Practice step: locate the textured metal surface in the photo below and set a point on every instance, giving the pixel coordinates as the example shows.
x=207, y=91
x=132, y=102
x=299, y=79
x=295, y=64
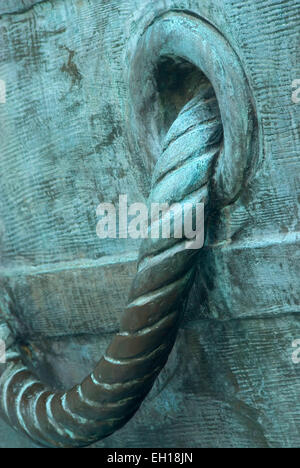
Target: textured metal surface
x=17, y=6
x=122, y=379
x=231, y=380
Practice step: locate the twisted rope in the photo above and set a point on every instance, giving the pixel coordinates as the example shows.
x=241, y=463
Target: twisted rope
x=110, y=396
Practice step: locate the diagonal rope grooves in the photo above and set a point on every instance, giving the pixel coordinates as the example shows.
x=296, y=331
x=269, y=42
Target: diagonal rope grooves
x=110, y=396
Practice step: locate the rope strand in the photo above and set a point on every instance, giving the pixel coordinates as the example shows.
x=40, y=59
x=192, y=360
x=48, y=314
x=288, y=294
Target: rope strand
x=110, y=396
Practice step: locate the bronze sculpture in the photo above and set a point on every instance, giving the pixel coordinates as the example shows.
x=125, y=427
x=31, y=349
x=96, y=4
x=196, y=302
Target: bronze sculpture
x=182, y=129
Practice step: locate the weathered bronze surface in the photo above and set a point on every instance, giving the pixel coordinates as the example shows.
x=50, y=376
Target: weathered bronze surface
x=103, y=98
